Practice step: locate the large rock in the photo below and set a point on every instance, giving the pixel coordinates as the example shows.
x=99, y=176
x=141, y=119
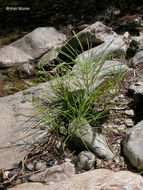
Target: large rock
x=16, y=133
x=84, y=135
x=105, y=50
x=133, y=146
x=109, y=67
x=96, y=34
x=55, y=173
x=94, y=180
x=31, y=47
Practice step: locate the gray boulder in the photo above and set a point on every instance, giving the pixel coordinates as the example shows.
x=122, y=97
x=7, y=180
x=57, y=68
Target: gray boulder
x=31, y=47
x=96, y=34
x=16, y=132
x=83, y=134
x=137, y=59
x=133, y=146
x=109, y=67
x=105, y=50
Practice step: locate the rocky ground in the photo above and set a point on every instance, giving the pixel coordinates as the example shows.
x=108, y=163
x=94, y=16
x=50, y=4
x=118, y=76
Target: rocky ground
x=48, y=165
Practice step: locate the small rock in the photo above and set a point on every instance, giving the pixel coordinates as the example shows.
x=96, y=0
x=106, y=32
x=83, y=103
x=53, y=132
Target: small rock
x=121, y=96
x=58, y=145
x=86, y=160
x=11, y=173
x=47, y=59
x=116, y=12
x=30, y=167
x=129, y=122
x=5, y=174
x=67, y=160
x=129, y=112
x=117, y=160
x=121, y=127
x=25, y=68
x=126, y=35
x=40, y=166
x=117, y=120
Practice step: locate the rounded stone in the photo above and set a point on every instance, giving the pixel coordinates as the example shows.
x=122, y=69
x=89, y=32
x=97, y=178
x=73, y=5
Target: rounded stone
x=40, y=166
x=86, y=160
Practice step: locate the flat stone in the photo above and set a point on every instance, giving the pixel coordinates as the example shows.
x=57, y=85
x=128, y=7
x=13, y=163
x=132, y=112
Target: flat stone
x=104, y=50
x=133, y=146
x=31, y=47
x=96, y=33
x=93, y=180
x=129, y=112
x=16, y=133
x=54, y=174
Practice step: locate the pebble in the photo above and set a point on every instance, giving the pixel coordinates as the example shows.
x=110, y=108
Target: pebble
x=116, y=12
x=11, y=173
x=129, y=112
x=5, y=174
x=129, y=122
x=67, y=160
x=121, y=127
x=40, y=166
x=86, y=160
x=126, y=35
x=58, y=145
x=30, y=167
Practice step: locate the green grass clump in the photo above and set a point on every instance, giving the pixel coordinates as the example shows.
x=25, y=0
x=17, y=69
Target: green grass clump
x=80, y=93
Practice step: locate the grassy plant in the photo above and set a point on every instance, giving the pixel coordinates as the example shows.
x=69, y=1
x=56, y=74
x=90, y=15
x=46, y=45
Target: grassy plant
x=81, y=93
